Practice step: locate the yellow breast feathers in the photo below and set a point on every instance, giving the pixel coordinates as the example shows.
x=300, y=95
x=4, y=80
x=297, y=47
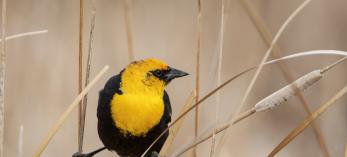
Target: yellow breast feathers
x=136, y=114
x=141, y=105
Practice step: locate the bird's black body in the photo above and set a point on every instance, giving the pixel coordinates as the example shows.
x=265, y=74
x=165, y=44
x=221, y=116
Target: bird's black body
x=114, y=139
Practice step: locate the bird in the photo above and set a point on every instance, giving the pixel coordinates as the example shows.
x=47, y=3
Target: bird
x=134, y=109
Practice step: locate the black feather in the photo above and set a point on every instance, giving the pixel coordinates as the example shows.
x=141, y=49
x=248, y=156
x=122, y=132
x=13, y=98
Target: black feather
x=111, y=136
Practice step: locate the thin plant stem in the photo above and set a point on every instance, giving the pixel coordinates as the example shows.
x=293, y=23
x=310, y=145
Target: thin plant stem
x=195, y=105
x=80, y=66
x=57, y=125
x=127, y=5
x=260, y=67
x=2, y=78
x=20, y=141
x=305, y=123
x=276, y=53
x=197, y=77
x=267, y=38
x=302, y=54
x=272, y=100
x=175, y=129
x=25, y=34
x=87, y=77
x=219, y=74
x=218, y=130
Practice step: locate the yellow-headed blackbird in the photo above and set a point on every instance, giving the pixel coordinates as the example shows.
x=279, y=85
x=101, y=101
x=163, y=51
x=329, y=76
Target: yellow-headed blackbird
x=134, y=108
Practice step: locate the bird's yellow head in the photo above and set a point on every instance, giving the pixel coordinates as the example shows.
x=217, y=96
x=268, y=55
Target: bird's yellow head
x=148, y=76
x=141, y=106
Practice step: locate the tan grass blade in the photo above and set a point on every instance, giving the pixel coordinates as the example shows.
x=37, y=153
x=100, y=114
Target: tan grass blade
x=20, y=141
x=2, y=78
x=87, y=77
x=303, y=125
x=66, y=113
x=195, y=105
x=127, y=5
x=267, y=38
x=346, y=149
x=302, y=54
x=175, y=129
x=219, y=73
x=197, y=77
x=274, y=99
x=255, y=76
x=287, y=92
x=25, y=34
x=80, y=66
x=219, y=129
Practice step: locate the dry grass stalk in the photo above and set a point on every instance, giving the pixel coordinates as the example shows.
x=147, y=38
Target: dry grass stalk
x=302, y=54
x=3, y=38
x=87, y=77
x=20, y=141
x=301, y=128
x=285, y=93
x=25, y=34
x=219, y=73
x=217, y=131
x=66, y=113
x=346, y=149
x=294, y=133
x=276, y=53
x=197, y=104
x=273, y=100
x=127, y=4
x=175, y=129
x=2, y=78
x=301, y=84
x=80, y=65
x=197, y=77
x=255, y=76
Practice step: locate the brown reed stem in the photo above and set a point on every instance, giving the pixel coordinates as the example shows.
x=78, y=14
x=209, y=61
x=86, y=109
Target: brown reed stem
x=57, y=125
x=219, y=74
x=87, y=77
x=80, y=65
x=276, y=53
x=239, y=118
x=20, y=141
x=127, y=5
x=215, y=90
x=24, y=34
x=197, y=77
x=269, y=50
x=197, y=104
x=176, y=128
x=2, y=78
x=307, y=121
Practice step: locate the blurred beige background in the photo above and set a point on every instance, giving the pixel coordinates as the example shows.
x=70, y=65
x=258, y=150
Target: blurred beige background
x=41, y=74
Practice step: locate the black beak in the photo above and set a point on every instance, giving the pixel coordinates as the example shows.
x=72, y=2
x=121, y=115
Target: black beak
x=174, y=73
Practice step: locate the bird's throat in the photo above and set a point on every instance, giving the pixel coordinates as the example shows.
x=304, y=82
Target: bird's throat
x=136, y=114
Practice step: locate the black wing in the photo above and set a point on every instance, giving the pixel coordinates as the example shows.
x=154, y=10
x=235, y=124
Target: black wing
x=112, y=87
x=167, y=109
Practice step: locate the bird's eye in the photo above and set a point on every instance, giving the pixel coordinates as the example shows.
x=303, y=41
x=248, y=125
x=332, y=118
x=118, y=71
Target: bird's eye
x=158, y=73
